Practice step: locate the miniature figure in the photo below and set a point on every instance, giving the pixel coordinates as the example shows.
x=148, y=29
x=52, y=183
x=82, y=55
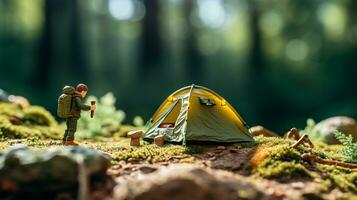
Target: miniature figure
x=19, y=100
x=70, y=105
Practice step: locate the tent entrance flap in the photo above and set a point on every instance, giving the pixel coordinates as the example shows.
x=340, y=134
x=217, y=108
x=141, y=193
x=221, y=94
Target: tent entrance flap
x=171, y=117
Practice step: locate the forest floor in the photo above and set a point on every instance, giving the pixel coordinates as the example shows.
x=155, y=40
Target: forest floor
x=270, y=165
x=269, y=168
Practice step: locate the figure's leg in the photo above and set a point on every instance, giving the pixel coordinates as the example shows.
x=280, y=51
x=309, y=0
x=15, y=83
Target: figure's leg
x=71, y=127
x=66, y=131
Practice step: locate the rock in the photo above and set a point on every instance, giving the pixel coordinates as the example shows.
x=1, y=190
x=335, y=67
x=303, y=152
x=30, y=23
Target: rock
x=231, y=161
x=326, y=128
x=184, y=181
x=159, y=140
x=227, y=161
x=147, y=169
x=298, y=185
x=260, y=130
x=27, y=170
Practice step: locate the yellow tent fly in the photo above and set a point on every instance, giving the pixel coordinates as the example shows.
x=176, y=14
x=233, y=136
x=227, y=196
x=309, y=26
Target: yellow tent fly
x=196, y=113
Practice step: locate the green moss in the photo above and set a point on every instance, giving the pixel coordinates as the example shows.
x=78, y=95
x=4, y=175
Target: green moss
x=344, y=178
x=144, y=152
x=274, y=158
x=285, y=169
x=36, y=115
x=8, y=110
x=34, y=122
x=272, y=141
x=31, y=141
x=119, y=150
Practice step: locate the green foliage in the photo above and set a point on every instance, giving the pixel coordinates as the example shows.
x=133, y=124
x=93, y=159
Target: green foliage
x=138, y=121
x=106, y=118
x=350, y=148
x=311, y=131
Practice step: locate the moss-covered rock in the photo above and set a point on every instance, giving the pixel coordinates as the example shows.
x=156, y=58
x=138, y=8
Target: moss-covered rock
x=34, y=121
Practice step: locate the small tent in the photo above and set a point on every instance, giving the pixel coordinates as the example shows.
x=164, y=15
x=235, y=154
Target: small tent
x=196, y=113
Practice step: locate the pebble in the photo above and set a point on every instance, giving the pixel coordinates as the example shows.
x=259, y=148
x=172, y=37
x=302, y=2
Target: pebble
x=221, y=148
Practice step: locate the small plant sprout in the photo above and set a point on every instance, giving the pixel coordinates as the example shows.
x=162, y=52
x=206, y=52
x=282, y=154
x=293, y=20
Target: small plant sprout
x=106, y=121
x=350, y=148
x=138, y=121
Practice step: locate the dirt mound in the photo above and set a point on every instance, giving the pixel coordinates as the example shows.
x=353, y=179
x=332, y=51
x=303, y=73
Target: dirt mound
x=186, y=181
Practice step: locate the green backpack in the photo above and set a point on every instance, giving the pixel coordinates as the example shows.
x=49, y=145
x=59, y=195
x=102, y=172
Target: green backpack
x=64, y=106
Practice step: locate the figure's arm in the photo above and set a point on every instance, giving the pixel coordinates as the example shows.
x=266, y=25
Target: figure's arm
x=81, y=105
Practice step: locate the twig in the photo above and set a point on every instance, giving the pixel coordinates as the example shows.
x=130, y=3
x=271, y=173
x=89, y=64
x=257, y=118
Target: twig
x=293, y=133
x=302, y=140
x=308, y=156
x=313, y=158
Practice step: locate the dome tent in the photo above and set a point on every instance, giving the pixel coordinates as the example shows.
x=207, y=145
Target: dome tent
x=196, y=113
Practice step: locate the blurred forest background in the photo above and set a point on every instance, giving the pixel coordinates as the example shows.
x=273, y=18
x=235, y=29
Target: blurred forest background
x=277, y=62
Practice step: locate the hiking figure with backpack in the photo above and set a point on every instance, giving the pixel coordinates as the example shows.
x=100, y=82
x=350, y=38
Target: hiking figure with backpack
x=70, y=105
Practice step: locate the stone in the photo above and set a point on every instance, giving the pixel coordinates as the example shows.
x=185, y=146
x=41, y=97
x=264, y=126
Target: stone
x=58, y=169
x=260, y=130
x=231, y=161
x=326, y=128
x=221, y=148
x=159, y=140
x=186, y=181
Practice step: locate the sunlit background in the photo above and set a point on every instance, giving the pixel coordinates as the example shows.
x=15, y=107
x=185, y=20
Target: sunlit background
x=277, y=62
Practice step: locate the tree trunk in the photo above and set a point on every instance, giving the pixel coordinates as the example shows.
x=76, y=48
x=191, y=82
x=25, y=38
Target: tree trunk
x=151, y=50
x=256, y=82
x=60, y=58
x=194, y=69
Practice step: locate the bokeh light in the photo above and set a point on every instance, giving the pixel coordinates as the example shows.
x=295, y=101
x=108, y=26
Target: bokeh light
x=271, y=23
x=211, y=12
x=297, y=50
x=333, y=18
x=126, y=9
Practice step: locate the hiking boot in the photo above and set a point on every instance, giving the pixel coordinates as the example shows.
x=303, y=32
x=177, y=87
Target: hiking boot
x=70, y=142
